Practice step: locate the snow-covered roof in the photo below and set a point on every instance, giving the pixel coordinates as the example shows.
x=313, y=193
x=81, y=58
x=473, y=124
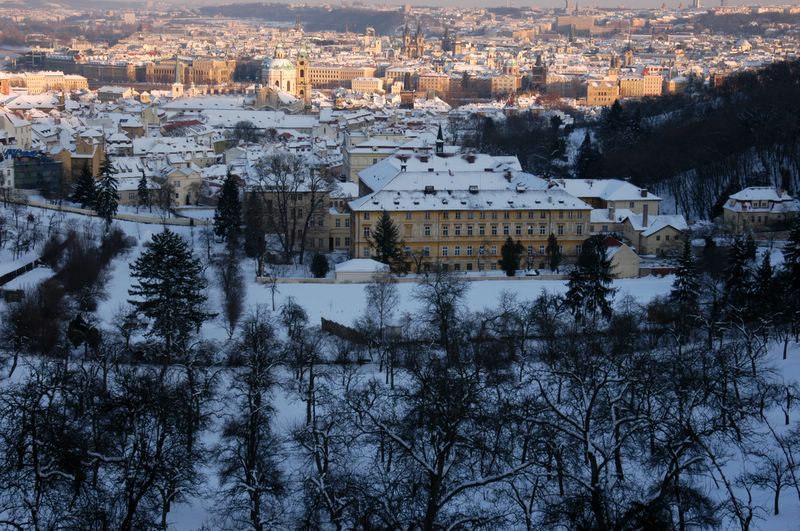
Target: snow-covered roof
x=657, y=223
x=408, y=170
x=361, y=265
x=498, y=199
x=761, y=193
x=606, y=189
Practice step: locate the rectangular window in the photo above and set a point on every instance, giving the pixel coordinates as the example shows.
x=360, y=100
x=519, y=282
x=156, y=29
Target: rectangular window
x=542, y=230
x=347, y=242
x=543, y=215
x=426, y=251
x=458, y=230
x=408, y=215
x=579, y=229
x=366, y=252
x=445, y=215
x=444, y=250
x=481, y=250
x=427, y=215
x=482, y=215
x=518, y=230
x=407, y=251
x=366, y=215
x=506, y=215
x=366, y=231
x=469, y=266
x=337, y=242
x=469, y=230
x=347, y=222
x=494, y=250
x=561, y=230
x=481, y=230
x=494, y=215
x=445, y=230
x=506, y=230
x=338, y=223
x=541, y=249
x=530, y=230
x=427, y=230
x=560, y=214
x=578, y=250
x=458, y=214
x=530, y=214
x=494, y=230
x=470, y=214
x=630, y=205
x=469, y=250
x=457, y=250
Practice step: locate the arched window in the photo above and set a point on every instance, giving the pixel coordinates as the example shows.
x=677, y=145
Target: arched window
x=302, y=73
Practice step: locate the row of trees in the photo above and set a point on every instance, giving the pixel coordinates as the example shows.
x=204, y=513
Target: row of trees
x=100, y=194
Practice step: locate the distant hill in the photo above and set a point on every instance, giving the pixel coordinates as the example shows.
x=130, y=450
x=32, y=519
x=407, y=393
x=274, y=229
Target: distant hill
x=314, y=18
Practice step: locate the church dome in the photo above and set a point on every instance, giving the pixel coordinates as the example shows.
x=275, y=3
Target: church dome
x=277, y=63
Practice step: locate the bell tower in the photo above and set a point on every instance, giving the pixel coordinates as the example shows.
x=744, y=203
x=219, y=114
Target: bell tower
x=303, y=83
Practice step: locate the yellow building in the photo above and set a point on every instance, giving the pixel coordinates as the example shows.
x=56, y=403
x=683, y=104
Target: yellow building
x=458, y=210
x=759, y=208
x=332, y=76
x=602, y=93
x=367, y=85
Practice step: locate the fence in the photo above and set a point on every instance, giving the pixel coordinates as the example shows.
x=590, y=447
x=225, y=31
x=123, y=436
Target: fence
x=136, y=218
x=11, y=275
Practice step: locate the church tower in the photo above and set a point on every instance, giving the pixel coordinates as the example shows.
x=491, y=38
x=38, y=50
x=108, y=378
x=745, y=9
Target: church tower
x=419, y=42
x=303, y=83
x=177, y=86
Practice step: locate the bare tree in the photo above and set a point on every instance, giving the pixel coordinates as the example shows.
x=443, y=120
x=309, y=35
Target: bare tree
x=250, y=478
x=232, y=289
x=294, y=196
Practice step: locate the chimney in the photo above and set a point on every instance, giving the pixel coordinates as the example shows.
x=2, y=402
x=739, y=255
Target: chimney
x=643, y=192
x=645, y=216
x=612, y=211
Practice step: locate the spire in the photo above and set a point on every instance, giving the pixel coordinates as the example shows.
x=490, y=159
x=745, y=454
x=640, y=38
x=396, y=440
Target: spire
x=177, y=70
x=439, y=141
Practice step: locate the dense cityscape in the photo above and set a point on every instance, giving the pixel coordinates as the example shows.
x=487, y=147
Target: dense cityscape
x=316, y=266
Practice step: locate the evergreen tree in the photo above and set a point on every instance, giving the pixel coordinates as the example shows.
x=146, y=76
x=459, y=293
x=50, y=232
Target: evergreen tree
x=737, y=276
x=169, y=289
x=319, y=266
x=143, y=191
x=386, y=244
x=589, y=288
x=510, y=252
x=85, y=190
x=750, y=247
x=586, y=157
x=686, y=287
x=553, y=252
x=107, y=197
x=227, y=216
x=791, y=256
x=255, y=244
x=764, y=287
